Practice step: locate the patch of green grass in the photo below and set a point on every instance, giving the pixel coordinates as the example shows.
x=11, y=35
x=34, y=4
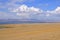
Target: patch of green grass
x=1, y=27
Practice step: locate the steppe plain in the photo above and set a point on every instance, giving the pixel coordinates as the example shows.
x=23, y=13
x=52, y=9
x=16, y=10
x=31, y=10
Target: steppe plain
x=37, y=31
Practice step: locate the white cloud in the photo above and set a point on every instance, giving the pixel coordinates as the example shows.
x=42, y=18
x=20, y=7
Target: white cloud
x=55, y=11
x=26, y=11
x=24, y=8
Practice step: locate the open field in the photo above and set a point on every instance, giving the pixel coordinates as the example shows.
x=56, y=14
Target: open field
x=48, y=31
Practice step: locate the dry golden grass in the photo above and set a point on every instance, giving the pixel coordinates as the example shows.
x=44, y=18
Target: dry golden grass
x=48, y=31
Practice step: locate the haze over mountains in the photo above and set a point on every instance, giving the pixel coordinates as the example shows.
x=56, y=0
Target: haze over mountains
x=20, y=21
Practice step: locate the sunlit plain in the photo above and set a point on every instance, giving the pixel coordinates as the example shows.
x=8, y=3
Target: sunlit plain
x=43, y=31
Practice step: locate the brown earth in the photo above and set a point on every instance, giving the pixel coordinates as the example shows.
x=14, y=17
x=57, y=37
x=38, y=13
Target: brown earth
x=48, y=31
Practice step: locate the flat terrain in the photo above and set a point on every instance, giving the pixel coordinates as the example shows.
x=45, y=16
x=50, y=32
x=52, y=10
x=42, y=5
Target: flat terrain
x=43, y=31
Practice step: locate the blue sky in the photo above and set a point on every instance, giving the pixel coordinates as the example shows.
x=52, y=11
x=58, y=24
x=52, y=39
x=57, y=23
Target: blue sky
x=43, y=4
x=38, y=9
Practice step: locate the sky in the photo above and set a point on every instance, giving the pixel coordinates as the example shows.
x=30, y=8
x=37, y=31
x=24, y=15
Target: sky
x=30, y=9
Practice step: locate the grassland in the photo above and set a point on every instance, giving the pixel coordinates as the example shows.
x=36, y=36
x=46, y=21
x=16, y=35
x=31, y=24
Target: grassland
x=48, y=31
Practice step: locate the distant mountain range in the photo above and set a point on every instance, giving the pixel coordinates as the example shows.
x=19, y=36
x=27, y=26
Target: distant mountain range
x=20, y=21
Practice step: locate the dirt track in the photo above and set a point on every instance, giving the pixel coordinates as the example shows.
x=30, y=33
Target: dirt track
x=31, y=32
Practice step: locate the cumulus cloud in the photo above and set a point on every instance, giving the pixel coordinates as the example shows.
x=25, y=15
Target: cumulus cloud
x=55, y=11
x=29, y=12
x=25, y=8
x=26, y=11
